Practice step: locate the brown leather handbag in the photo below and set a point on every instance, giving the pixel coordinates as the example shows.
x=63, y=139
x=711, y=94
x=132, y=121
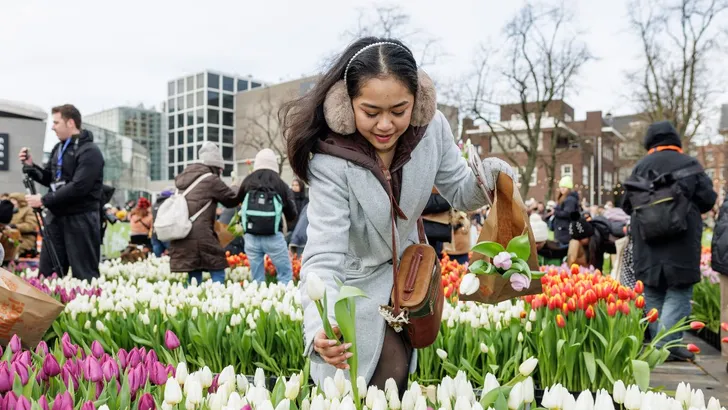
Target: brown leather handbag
x=417, y=293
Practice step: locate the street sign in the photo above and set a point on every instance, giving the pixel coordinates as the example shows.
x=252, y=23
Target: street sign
x=4, y=152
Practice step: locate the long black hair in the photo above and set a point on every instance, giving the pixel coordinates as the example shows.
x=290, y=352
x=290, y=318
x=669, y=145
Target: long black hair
x=303, y=118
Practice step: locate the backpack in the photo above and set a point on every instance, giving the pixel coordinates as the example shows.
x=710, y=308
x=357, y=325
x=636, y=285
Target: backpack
x=659, y=205
x=719, y=244
x=173, y=220
x=615, y=229
x=261, y=211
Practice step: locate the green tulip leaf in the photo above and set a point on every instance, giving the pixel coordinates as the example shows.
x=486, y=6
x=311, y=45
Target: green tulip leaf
x=591, y=366
x=345, y=311
x=478, y=267
x=488, y=248
x=521, y=246
x=641, y=372
x=606, y=371
x=501, y=402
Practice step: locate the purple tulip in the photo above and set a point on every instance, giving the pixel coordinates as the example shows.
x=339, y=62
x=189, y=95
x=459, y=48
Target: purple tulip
x=133, y=360
x=43, y=402
x=520, y=282
x=25, y=358
x=6, y=378
x=213, y=386
x=247, y=407
x=109, y=370
x=96, y=349
x=63, y=401
x=10, y=400
x=41, y=349
x=14, y=344
x=21, y=370
x=94, y=370
x=69, y=377
x=89, y=405
x=146, y=402
x=133, y=378
x=171, y=340
x=99, y=389
x=151, y=357
x=122, y=356
x=22, y=404
x=142, y=352
x=66, y=337
x=171, y=371
x=73, y=366
x=158, y=374
x=69, y=349
x=51, y=368
x=142, y=374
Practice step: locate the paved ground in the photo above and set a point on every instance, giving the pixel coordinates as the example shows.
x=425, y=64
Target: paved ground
x=707, y=373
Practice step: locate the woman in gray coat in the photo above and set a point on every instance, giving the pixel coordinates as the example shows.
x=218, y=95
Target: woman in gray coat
x=371, y=121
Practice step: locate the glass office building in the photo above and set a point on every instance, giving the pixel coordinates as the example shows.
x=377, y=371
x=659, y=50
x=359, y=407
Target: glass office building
x=199, y=108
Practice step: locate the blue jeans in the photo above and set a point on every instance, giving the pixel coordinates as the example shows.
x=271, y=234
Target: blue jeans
x=257, y=246
x=216, y=276
x=672, y=304
x=158, y=247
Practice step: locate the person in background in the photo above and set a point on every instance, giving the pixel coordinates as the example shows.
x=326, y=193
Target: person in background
x=75, y=175
x=549, y=252
x=594, y=235
x=436, y=220
x=24, y=220
x=568, y=203
x=6, y=215
x=669, y=268
x=159, y=247
x=458, y=248
x=264, y=235
x=141, y=222
x=5, y=196
x=299, y=237
x=719, y=263
x=300, y=198
x=201, y=251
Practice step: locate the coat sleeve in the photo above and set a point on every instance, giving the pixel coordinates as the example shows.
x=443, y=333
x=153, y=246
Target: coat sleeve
x=89, y=169
x=455, y=180
x=328, y=241
x=223, y=194
x=704, y=196
x=570, y=205
x=289, y=205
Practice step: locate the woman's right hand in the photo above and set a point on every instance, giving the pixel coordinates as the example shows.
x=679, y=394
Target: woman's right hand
x=331, y=351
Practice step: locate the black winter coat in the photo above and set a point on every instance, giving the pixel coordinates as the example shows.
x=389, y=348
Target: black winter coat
x=675, y=263
x=83, y=172
x=268, y=178
x=562, y=217
x=719, y=246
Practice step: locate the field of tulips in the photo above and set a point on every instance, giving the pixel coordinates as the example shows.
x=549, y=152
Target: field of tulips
x=67, y=376
x=241, y=260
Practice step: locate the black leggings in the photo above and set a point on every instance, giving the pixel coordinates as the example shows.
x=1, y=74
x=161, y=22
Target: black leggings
x=394, y=361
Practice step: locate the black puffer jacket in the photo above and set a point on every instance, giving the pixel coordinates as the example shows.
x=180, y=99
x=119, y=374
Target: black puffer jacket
x=562, y=217
x=674, y=263
x=268, y=178
x=719, y=247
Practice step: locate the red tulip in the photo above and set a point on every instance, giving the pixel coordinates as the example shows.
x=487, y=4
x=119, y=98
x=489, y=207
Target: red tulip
x=640, y=302
x=652, y=315
x=146, y=402
x=590, y=314
x=96, y=349
x=536, y=303
x=572, y=305
x=724, y=326
x=560, y=321
x=569, y=290
x=639, y=287
x=624, y=308
x=693, y=348
x=590, y=296
x=612, y=309
x=611, y=298
x=724, y=340
x=582, y=303
x=695, y=325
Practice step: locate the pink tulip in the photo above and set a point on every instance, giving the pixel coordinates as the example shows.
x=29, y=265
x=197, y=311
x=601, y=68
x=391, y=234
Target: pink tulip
x=42, y=348
x=95, y=374
x=22, y=404
x=22, y=371
x=89, y=405
x=43, y=402
x=122, y=356
x=133, y=378
x=133, y=360
x=25, y=358
x=213, y=386
x=247, y=407
x=10, y=400
x=503, y=260
x=96, y=349
x=14, y=344
x=142, y=352
x=110, y=370
x=66, y=337
x=151, y=357
x=142, y=374
x=170, y=340
x=69, y=377
x=6, y=378
x=158, y=374
x=146, y=402
x=63, y=401
x=73, y=366
x=69, y=349
x=171, y=370
x=520, y=282
x=51, y=368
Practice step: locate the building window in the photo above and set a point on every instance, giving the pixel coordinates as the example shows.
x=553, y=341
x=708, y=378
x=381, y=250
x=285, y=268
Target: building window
x=227, y=153
x=170, y=139
x=254, y=85
x=585, y=175
x=227, y=136
x=191, y=100
x=170, y=122
x=242, y=85
x=180, y=86
x=200, y=115
x=213, y=98
x=722, y=174
x=180, y=103
x=213, y=116
x=515, y=117
x=180, y=120
x=190, y=135
x=227, y=118
x=170, y=105
x=534, y=175
x=709, y=158
x=190, y=83
x=190, y=118
x=609, y=153
x=213, y=81
x=567, y=170
x=228, y=101
x=200, y=98
x=180, y=137
x=190, y=153
x=510, y=143
x=607, y=180
x=200, y=134
x=170, y=157
x=170, y=88
x=180, y=168
x=228, y=84
x=228, y=170
x=568, y=118
x=200, y=81
x=171, y=172
x=213, y=134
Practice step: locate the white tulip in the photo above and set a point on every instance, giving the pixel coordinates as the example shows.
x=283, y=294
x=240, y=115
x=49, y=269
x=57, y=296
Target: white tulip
x=370, y=396
x=713, y=404
x=567, y=400
x=421, y=403
x=293, y=387
x=305, y=404
x=441, y=354
x=193, y=391
x=619, y=392
x=334, y=404
x=259, y=380
x=682, y=394
x=469, y=284
x=491, y=383
x=172, y=392
x=340, y=382
x=181, y=373
x=697, y=399
x=529, y=327
x=215, y=401
x=483, y=348
x=527, y=367
x=100, y=326
x=284, y=404
x=361, y=385
x=394, y=403
x=330, y=389
x=227, y=374
x=528, y=390
x=347, y=403
x=462, y=404
x=408, y=401
x=264, y=405
x=520, y=337
x=532, y=315
x=315, y=287
x=585, y=401
x=235, y=401
x=205, y=377
x=603, y=401
x=104, y=407
x=194, y=312
x=551, y=399
x=633, y=398
x=431, y=393
x=515, y=397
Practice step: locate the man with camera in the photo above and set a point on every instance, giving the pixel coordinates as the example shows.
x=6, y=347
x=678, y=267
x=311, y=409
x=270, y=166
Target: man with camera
x=74, y=174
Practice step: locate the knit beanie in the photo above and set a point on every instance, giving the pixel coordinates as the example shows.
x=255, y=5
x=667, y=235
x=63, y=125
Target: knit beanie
x=566, y=182
x=580, y=228
x=210, y=155
x=539, y=228
x=266, y=159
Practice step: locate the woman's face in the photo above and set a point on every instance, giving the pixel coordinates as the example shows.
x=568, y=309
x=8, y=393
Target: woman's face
x=295, y=186
x=563, y=190
x=383, y=111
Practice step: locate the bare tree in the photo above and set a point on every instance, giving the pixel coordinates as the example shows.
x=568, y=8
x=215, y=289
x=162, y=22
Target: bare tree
x=260, y=127
x=542, y=58
x=678, y=39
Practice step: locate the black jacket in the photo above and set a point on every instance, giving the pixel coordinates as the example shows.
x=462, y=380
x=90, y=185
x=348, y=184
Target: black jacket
x=301, y=200
x=6, y=211
x=719, y=246
x=83, y=172
x=674, y=263
x=436, y=232
x=268, y=178
x=600, y=243
x=562, y=217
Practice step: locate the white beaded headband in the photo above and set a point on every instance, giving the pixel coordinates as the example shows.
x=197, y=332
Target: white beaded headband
x=363, y=49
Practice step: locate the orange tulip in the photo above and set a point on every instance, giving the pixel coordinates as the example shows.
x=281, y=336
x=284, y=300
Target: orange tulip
x=697, y=325
x=693, y=348
x=611, y=298
x=625, y=308
x=568, y=290
x=639, y=287
x=652, y=315
x=724, y=326
x=571, y=305
x=612, y=309
x=640, y=302
x=724, y=340
x=523, y=314
x=560, y=321
x=590, y=313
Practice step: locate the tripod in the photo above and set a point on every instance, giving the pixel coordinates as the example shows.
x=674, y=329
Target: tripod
x=47, y=241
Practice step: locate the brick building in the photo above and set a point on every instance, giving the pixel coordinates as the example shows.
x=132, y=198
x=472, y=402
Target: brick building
x=587, y=150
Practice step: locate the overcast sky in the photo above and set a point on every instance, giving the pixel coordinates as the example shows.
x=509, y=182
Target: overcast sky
x=101, y=54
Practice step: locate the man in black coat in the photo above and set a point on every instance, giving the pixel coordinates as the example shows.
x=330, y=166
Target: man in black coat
x=670, y=268
x=719, y=263
x=74, y=175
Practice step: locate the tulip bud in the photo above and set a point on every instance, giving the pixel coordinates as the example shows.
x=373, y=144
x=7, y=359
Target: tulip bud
x=146, y=402
x=441, y=354
x=170, y=340
x=483, y=348
x=22, y=404
x=96, y=349
x=515, y=397
x=14, y=344
x=22, y=371
x=693, y=348
x=469, y=284
x=63, y=401
x=206, y=377
x=89, y=405
x=315, y=287
x=42, y=348
x=6, y=378
x=527, y=367
x=181, y=373
x=619, y=392
x=172, y=392
x=51, y=368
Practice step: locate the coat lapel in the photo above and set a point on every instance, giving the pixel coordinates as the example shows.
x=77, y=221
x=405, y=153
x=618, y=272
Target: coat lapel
x=373, y=200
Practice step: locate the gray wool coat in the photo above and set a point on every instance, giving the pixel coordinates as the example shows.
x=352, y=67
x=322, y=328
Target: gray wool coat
x=349, y=233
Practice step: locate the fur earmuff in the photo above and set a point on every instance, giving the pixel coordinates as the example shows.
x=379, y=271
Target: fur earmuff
x=338, y=112
x=425, y=101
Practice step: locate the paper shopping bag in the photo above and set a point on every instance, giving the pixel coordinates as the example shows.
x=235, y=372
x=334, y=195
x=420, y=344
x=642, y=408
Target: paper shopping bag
x=24, y=310
x=223, y=235
x=507, y=219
